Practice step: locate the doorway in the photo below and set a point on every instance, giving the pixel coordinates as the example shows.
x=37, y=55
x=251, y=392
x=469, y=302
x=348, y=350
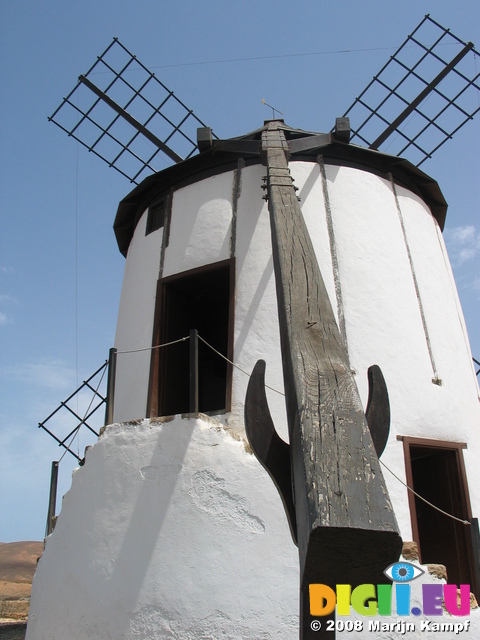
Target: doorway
x=200, y=299
x=436, y=471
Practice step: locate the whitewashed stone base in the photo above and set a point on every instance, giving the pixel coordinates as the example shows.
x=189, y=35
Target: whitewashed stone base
x=170, y=530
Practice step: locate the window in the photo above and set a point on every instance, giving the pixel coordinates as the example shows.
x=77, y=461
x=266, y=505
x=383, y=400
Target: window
x=201, y=299
x=156, y=216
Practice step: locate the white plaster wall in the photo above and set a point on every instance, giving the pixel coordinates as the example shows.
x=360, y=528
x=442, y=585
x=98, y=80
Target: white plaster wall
x=382, y=315
x=456, y=299
x=380, y=305
x=256, y=320
x=384, y=324
x=135, y=322
x=440, y=301
x=200, y=224
x=451, y=411
x=163, y=536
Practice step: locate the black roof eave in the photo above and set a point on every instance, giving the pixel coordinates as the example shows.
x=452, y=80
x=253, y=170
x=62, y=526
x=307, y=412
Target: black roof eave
x=220, y=158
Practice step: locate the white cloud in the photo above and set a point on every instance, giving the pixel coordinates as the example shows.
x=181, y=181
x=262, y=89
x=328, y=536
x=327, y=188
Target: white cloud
x=463, y=234
x=6, y=300
x=463, y=243
x=50, y=374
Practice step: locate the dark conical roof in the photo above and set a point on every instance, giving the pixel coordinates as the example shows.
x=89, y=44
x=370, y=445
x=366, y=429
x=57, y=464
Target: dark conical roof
x=219, y=156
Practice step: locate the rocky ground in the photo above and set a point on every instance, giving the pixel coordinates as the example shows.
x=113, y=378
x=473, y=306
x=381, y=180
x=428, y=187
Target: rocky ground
x=18, y=561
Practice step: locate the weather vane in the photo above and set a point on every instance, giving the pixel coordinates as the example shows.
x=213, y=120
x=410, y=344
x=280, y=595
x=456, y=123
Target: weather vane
x=272, y=108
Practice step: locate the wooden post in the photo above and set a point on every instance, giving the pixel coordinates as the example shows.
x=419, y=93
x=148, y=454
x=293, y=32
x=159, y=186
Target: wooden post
x=193, y=371
x=343, y=511
x=112, y=368
x=475, y=542
x=52, y=501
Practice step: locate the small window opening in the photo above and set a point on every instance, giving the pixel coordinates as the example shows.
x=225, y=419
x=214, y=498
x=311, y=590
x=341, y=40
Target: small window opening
x=156, y=216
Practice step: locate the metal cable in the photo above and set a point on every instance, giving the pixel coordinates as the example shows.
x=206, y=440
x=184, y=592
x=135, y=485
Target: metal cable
x=424, y=499
x=158, y=346
x=449, y=515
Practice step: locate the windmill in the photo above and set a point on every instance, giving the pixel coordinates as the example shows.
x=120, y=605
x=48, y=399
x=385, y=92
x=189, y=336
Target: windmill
x=186, y=235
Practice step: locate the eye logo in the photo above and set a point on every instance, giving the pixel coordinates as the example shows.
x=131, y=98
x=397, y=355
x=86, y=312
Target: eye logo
x=403, y=572
x=373, y=600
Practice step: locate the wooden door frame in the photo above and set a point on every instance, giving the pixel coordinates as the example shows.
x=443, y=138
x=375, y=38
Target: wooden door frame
x=153, y=386
x=473, y=539
x=456, y=447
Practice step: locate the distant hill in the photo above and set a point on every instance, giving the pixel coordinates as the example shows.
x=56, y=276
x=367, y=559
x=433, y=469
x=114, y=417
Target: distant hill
x=18, y=561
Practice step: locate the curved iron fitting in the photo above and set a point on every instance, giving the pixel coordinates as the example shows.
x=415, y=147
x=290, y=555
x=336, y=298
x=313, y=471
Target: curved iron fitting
x=271, y=451
x=378, y=409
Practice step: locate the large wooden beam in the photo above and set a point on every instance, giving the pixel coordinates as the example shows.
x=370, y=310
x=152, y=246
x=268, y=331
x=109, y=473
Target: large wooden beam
x=346, y=528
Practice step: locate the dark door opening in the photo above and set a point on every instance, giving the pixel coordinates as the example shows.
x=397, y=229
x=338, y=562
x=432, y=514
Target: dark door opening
x=199, y=300
x=437, y=473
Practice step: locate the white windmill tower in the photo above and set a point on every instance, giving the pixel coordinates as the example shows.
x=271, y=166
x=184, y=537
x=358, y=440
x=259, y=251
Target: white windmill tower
x=322, y=258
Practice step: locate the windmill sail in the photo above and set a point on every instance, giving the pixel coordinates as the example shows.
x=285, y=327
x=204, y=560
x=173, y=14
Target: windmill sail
x=122, y=113
x=424, y=94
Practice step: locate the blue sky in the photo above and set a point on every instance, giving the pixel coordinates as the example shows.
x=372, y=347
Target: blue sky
x=60, y=269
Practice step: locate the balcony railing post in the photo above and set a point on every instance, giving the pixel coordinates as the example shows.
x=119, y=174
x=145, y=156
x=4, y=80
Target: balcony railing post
x=475, y=540
x=52, y=501
x=193, y=371
x=112, y=367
